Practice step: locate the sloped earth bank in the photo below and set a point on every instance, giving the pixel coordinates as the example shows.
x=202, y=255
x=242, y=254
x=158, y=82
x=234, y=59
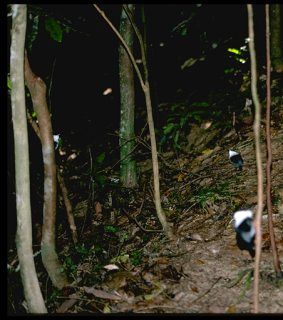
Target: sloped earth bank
x=201, y=270
x=120, y=268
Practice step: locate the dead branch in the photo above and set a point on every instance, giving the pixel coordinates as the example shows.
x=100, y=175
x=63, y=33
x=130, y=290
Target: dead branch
x=68, y=206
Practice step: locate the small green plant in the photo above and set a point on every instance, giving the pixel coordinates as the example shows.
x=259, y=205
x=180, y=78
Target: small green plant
x=247, y=285
x=69, y=266
x=124, y=236
x=98, y=177
x=177, y=122
x=32, y=29
x=111, y=229
x=136, y=257
x=53, y=27
x=82, y=250
x=97, y=248
x=276, y=200
x=212, y=194
x=97, y=267
x=238, y=54
x=53, y=296
x=145, y=237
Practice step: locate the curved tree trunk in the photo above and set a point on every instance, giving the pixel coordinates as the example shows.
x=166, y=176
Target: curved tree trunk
x=32, y=291
x=127, y=93
x=50, y=259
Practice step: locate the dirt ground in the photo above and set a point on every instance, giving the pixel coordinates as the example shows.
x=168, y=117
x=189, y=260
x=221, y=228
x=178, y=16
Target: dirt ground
x=124, y=269
x=201, y=270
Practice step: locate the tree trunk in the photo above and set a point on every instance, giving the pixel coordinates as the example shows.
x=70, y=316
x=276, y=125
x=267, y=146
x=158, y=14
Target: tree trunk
x=276, y=261
x=50, y=259
x=146, y=89
x=127, y=92
x=32, y=291
x=275, y=37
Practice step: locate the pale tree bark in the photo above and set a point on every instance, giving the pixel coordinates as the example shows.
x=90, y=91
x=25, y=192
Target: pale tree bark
x=50, y=259
x=31, y=286
x=256, y=127
x=127, y=114
x=276, y=37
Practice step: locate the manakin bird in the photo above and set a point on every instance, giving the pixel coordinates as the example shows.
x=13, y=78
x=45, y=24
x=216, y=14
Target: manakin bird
x=57, y=140
x=245, y=231
x=236, y=159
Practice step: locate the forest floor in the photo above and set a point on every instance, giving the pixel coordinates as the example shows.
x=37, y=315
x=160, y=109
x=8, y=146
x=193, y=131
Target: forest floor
x=120, y=268
x=201, y=270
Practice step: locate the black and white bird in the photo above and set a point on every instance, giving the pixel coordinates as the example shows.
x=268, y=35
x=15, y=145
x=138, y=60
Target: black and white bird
x=236, y=159
x=245, y=231
x=56, y=138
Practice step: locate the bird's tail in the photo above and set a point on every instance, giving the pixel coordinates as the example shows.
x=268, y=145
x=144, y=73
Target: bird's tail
x=252, y=252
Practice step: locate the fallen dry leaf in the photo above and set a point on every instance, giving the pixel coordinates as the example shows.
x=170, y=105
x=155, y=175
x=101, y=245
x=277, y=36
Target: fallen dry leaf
x=102, y=294
x=111, y=267
x=231, y=309
x=66, y=305
x=98, y=208
x=194, y=289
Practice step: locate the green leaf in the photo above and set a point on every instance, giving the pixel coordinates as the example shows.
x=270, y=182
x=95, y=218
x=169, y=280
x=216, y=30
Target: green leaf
x=54, y=28
x=136, y=257
x=189, y=63
x=234, y=50
x=241, y=60
x=168, y=128
x=9, y=83
x=100, y=179
x=200, y=104
x=32, y=35
x=230, y=70
x=100, y=158
x=111, y=229
x=82, y=249
x=176, y=138
x=183, y=120
x=184, y=31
